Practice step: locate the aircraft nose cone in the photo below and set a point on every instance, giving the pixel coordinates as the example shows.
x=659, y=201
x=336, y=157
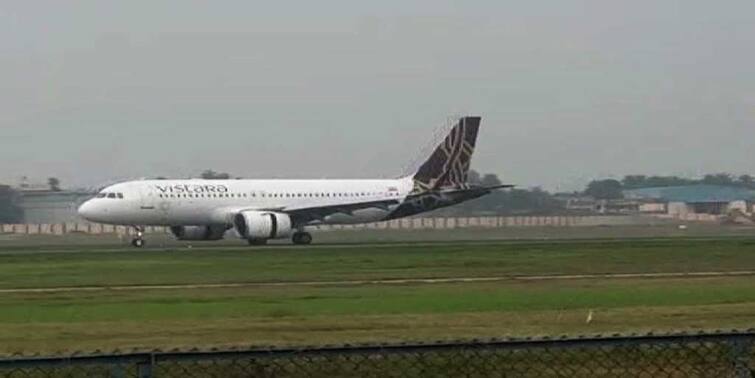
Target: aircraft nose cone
x=86, y=210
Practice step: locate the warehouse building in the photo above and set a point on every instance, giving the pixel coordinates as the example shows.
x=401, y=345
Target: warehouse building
x=696, y=199
x=47, y=206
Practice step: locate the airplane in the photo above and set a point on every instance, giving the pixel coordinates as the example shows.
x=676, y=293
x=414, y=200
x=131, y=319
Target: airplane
x=260, y=210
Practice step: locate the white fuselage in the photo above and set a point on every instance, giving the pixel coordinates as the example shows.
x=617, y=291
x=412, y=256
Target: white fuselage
x=212, y=202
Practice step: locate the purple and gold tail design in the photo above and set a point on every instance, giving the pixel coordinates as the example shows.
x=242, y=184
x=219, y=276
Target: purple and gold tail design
x=448, y=166
x=442, y=180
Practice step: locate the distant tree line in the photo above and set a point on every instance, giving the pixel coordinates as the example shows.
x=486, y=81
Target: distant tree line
x=209, y=174
x=726, y=179
x=613, y=189
x=515, y=201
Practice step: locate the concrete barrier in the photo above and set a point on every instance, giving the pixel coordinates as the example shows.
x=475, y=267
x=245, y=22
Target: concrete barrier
x=437, y=223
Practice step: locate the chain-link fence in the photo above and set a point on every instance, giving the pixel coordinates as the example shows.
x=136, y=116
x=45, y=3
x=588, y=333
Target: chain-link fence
x=719, y=355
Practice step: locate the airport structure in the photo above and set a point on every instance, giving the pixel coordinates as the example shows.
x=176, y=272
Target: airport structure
x=692, y=199
x=48, y=206
x=690, y=202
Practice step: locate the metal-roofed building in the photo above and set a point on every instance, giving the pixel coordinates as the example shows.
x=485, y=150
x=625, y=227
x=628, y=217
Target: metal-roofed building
x=45, y=206
x=700, y=199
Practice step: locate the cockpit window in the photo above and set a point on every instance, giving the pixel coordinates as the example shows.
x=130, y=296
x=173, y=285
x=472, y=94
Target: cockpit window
x=120, y=195
x=111, y=195
x=101, y=195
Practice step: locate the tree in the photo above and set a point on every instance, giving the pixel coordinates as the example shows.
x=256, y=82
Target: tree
x=661, y=181
x=209, y=174
x=473, y=177
x=634, y=181
x=604, y=189
x=490, y=179
x=718, y=179
x=54, y=184
x=746, y=180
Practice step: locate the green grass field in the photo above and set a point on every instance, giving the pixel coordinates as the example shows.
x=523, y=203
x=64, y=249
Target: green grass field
x=314, y=313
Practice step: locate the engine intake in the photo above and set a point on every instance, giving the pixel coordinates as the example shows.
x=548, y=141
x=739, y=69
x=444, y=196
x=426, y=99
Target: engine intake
x=198, y=232
x=262, y=225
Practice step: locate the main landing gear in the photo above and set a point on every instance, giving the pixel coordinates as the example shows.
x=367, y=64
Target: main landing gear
x=301, y=238
x=138, y=241
x=257, y=241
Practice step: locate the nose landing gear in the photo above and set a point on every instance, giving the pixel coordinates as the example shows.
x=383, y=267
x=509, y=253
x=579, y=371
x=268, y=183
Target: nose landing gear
x=138, y=241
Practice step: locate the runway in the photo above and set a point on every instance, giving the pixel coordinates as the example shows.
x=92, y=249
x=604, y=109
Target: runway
x=430, y=281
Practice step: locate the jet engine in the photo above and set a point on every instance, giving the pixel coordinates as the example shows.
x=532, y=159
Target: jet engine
x=262, y=225
x=198, y=232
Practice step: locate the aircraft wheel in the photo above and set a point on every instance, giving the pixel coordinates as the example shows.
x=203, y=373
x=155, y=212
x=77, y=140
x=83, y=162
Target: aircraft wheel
x=257, y=241
x=302, y=238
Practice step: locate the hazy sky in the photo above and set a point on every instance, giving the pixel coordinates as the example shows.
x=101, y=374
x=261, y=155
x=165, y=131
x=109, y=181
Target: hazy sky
x=94, y=91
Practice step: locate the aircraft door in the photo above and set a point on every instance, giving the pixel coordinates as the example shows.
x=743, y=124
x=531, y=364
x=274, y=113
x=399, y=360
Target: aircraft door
x=152, y=207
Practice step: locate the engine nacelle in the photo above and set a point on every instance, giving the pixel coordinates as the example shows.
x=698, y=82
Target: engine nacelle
x=198, y=232
x=262, y=225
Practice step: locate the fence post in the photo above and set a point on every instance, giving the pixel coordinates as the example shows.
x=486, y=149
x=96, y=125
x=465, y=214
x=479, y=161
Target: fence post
x=741, y=355
x=144, y=369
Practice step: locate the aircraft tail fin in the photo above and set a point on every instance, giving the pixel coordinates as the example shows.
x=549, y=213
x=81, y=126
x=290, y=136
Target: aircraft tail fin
x=449, y=164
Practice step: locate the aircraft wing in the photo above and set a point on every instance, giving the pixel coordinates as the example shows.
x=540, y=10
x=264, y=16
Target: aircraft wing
x=309, y=214
x=303, y=215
